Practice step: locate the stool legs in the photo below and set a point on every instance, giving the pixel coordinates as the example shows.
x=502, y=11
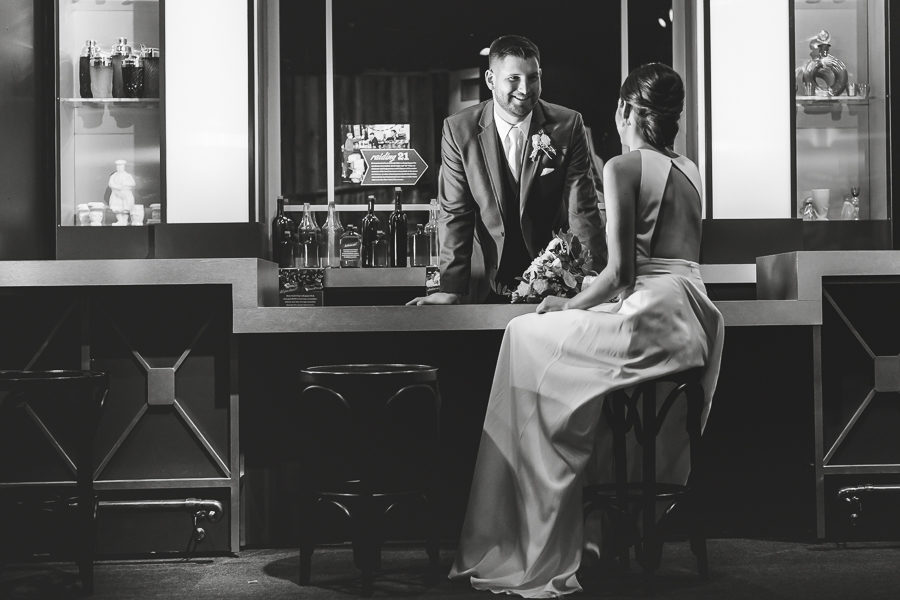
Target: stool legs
x=697, y=535
x=307, y=536
x=620, y=411
x=616, y=415
x=651, y=546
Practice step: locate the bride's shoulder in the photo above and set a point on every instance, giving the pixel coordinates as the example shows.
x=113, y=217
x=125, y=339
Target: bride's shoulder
x=626, y=165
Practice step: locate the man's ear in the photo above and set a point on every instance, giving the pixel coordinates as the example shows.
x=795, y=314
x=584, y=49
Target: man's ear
x=489, y=79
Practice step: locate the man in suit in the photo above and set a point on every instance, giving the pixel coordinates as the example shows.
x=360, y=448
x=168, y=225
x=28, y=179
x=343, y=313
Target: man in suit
x=514, y=170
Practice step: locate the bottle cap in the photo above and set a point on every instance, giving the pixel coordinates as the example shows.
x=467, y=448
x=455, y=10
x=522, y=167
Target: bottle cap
x=121, y=47
x=398, y=189
x=100, y=60
x=90, y=48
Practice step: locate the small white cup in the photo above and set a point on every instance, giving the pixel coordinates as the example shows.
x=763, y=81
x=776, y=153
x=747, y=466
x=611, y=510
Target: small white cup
x=137, y=214
x=97, y=212
x=121, y=218
x=84, y=214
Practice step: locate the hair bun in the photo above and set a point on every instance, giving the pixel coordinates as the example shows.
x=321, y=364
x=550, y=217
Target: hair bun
x=656, y=94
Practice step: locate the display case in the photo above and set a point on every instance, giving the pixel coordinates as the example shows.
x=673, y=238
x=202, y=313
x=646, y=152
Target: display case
x=842, y=161
x=109, y=113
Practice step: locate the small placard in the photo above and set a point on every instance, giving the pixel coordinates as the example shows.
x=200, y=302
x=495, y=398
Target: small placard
x=387, y=167
x=432, y=280
x=301, y=287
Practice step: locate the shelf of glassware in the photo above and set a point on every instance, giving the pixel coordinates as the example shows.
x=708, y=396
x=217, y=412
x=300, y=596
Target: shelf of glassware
x=94, y=134
x=839, y=148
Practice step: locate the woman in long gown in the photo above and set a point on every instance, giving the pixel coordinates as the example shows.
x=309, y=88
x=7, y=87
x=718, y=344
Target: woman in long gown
x=524, y=531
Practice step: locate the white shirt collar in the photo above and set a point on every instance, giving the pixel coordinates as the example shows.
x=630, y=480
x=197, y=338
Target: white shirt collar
x=503, y=127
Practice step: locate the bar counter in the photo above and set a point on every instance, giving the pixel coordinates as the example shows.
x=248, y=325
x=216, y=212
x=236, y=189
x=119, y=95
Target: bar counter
x=195, y=335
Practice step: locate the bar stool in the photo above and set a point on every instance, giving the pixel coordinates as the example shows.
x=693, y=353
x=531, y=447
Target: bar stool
x=369, y=441
x=624, y=499
x=87, y=391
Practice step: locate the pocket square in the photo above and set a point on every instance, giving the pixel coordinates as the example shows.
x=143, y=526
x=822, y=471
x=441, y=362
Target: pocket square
x=547, y=171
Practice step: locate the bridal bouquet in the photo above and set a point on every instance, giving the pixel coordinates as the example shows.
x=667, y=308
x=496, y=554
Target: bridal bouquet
x=559, y=270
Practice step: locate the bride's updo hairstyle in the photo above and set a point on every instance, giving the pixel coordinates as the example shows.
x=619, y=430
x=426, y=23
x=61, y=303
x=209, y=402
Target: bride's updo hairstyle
x=654, y=98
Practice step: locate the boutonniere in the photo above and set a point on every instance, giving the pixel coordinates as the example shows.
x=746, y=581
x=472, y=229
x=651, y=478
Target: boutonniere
x=540, y=142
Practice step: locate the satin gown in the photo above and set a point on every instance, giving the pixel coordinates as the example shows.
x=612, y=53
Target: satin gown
x=523, y=530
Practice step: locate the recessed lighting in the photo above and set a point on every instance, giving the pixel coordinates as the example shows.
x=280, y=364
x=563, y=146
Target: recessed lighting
x=662, y=22
x=484, y=51
x=671, y=15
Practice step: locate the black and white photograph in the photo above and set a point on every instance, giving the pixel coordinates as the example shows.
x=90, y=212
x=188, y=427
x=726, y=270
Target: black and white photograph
x=449, y=299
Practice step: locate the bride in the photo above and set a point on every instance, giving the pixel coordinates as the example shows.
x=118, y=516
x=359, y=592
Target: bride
x=524, y=532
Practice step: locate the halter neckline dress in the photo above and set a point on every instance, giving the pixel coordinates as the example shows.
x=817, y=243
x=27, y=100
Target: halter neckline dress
x=523, y=530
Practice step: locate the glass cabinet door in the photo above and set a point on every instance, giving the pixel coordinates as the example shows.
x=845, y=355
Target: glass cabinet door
x=109, y=113
x=842, y=168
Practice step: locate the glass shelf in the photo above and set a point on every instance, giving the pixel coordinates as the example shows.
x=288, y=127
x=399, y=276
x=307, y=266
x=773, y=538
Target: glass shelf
x=78, y=101
x=832, y=100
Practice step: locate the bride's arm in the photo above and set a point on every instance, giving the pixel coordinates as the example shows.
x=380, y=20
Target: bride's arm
x=621, y=176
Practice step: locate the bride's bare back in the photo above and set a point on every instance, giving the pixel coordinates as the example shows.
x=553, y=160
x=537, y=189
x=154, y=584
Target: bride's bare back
x=677, y=233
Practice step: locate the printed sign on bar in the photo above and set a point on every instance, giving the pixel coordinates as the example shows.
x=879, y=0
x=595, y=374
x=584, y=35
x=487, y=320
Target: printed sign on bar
x=392, y=167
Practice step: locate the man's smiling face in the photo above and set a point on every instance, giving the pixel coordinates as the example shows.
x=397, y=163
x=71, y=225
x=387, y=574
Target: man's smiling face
x=515, y=84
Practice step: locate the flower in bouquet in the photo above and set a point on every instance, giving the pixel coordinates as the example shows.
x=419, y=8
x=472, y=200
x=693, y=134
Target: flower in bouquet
x=558, y=270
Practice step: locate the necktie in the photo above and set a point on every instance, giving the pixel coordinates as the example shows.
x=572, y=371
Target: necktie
x=514, y=151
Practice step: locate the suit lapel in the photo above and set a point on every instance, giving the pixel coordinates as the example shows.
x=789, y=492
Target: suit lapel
x=529, y=169
x=490, y=151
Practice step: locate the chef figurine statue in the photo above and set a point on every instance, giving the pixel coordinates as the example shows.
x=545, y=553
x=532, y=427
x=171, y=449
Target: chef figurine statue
x=121, y=186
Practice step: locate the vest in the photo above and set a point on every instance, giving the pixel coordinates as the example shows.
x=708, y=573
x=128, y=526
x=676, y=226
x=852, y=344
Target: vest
x=515, y=257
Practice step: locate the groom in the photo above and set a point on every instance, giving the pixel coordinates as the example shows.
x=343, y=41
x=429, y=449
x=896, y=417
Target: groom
x=514, y=170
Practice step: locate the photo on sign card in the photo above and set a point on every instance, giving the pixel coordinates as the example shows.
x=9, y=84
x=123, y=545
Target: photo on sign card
x=356, y=137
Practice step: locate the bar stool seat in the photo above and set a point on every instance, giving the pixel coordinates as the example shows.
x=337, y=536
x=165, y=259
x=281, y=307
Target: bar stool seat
x=86, y=390
x=625, y=500
x=369, y=437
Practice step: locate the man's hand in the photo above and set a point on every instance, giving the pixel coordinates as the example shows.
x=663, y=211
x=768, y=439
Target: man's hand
x=551, y=304
x=435, y=298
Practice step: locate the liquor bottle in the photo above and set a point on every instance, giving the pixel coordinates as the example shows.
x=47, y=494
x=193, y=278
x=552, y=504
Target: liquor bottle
x=854, y=192
x=120, y=51
x=370, y=225
x=150, y=58
x=350, y=248
x=397, y=232
x=84, y=68
x=101, y=76
x=381, y=250
x=133, y=77
x=330, y=239
x=306, y=250
x=417, y=250
x=434, y=238
x=282, y=236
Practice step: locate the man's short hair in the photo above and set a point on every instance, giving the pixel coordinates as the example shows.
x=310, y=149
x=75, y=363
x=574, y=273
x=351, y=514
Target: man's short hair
x=513, y=45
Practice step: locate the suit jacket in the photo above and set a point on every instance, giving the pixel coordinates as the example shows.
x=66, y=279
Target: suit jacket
x=554, y=193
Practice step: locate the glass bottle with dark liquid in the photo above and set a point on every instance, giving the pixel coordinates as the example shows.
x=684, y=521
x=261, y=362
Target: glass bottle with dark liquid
x=133, y=77
x=370, y=226
x=397, y=232
x=120, y=51
x=150, y=60
x=282, y=237
x=84, y=68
